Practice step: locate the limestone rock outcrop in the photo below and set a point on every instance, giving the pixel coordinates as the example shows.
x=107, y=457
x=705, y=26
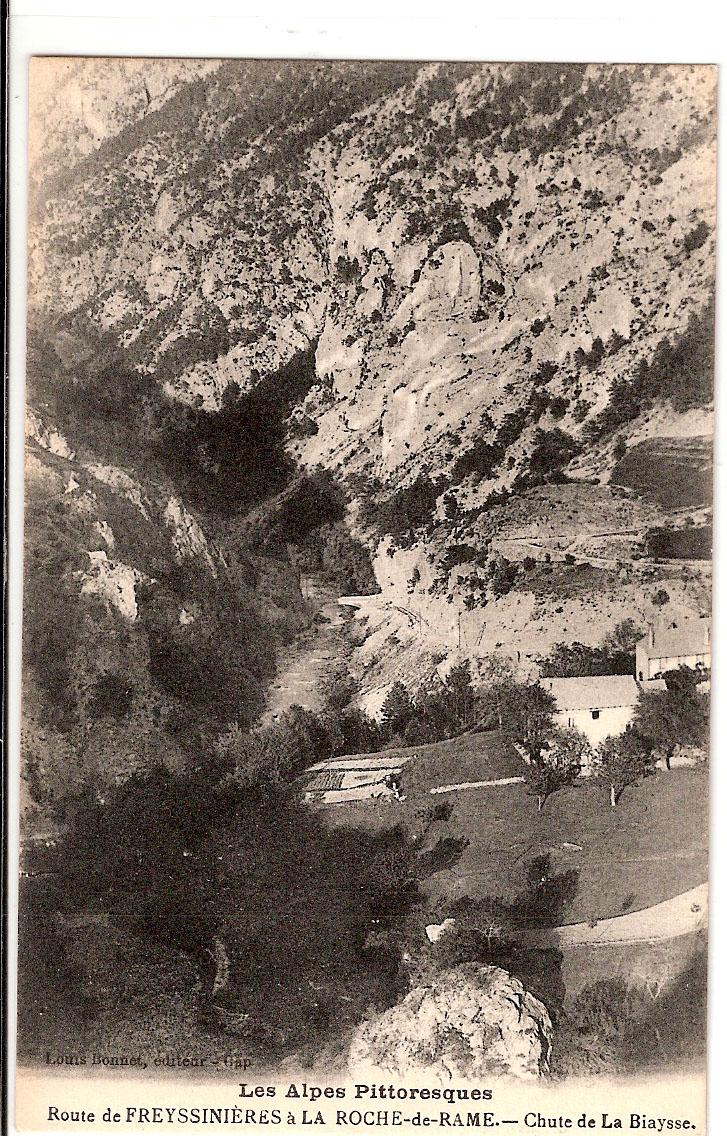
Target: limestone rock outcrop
x=472, y=1021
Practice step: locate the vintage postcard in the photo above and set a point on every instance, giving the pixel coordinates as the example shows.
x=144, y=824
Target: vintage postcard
x=367, y=593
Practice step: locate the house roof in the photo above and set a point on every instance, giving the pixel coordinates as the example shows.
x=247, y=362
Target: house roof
x=689, y=638
x=653, y=684
x=595, y=692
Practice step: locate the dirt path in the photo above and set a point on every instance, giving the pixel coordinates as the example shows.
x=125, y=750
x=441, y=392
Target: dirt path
x=681, y=915
x=313, y=657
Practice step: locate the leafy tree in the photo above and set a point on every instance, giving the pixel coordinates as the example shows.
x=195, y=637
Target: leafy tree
x=677, y=716
x=620, y=644
x=623, y=760
x=696, y=237
x=359, y=733
x=497, y=674
x=553, y=450
x=503, y=574
x=558, y=765
x=460, y=695
x=339, y=690
x=482, y=457
x=54, y=541
x=405, y=510
x=419, y=731
x=527, y=717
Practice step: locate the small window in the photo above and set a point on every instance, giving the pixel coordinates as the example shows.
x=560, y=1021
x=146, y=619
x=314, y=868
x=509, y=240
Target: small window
x=595, y=714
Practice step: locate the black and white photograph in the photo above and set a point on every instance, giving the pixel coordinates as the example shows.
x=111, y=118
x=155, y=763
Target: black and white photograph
x=367, y=578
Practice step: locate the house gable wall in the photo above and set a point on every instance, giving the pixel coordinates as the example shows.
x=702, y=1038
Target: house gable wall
x=609, y=721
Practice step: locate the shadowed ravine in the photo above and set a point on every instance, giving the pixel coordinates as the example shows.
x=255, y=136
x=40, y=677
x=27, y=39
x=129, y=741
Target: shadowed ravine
x=313, y=657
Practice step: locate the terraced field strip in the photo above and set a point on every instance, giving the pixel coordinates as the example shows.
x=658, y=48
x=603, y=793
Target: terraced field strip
x=477, y=784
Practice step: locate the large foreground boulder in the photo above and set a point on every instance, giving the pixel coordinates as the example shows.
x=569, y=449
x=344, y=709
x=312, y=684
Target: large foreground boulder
x=471, y=1022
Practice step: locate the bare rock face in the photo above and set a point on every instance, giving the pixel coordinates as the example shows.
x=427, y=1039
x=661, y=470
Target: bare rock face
x=473, y=1021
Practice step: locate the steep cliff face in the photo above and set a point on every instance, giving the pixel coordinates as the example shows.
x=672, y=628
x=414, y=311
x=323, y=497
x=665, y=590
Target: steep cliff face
x=481, y=261
x=445, y=239
x=197, y=236
x=502, y=273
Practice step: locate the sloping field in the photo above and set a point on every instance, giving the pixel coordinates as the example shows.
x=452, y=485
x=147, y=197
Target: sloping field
x=676, y=472
x=474, y=757
x=652, y=847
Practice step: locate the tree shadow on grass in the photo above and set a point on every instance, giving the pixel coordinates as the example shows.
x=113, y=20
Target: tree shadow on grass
x=546, y=897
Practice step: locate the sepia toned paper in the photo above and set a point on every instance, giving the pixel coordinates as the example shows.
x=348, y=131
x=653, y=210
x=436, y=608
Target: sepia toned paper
x=367, y=592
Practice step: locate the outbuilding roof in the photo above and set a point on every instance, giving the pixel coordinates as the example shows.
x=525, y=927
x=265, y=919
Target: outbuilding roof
x=668, y=642
x=595, y=692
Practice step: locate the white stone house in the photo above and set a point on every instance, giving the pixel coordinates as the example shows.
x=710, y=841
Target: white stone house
x=597, y=705
x=668, y=646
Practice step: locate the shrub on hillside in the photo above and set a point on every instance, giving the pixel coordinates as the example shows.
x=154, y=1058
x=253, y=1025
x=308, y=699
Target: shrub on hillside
x=346, y=562
x=482, y=458
x=191, y=865
x=314, y=499
x=511, y=427
x=590, y=359
x=696, y=237
x=502, y=575
x=403, y=511
x=552, y=452
x=228, y=640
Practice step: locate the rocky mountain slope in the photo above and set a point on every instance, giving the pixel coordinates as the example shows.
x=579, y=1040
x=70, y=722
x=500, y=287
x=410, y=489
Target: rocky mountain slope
x=145, y=635
x=468, y=201
x=80, y=103
x=500, y=274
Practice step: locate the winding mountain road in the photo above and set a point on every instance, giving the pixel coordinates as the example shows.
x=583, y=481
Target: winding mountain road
x=682, y=915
